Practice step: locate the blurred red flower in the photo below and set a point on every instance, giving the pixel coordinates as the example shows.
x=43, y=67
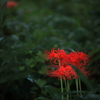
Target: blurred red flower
x=64, y=72
x=61, y=61
x=78, y=59
x=11, y=4
x=56, y=55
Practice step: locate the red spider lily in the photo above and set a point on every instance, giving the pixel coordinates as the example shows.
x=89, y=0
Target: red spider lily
x=77, y=58
x=62, y=62
x=64, y=72
x=56, y=55
x=11, y=4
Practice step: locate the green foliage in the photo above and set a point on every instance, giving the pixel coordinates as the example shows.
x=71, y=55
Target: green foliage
x=2, y=12
x=34, y=26
x=83, y=77
x=40, y=82
x=42, y=98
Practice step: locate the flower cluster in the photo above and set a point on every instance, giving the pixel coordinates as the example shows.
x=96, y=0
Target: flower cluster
x=61, y=64
x=11, y=4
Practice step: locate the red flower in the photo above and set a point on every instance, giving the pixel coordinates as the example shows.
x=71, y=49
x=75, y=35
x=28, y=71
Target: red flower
x=61, y=61
x=64, y=72
x=77, y=59
x=11, y=4
x=56, y=55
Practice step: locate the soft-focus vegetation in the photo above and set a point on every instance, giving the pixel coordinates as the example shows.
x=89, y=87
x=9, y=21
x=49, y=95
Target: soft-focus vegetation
x=34, y=26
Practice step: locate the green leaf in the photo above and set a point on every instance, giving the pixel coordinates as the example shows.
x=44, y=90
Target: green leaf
x=39, y=53
x=21, y=67
x=29, y=61
x=38, y=58
x=30, y=51
x=42, y=70
x=32, y=65
x=40, y=82
x=83, y=77
x=55, y=46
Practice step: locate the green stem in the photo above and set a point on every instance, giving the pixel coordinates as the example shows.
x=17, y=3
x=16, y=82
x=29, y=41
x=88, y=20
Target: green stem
x=80, y=86
x=68, y=88
x=61, y=87
x=70, y=96
x=65, y=87
x=76, y=80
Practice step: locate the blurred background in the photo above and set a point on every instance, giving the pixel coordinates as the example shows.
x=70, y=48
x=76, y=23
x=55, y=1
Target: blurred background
x=29, y=27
